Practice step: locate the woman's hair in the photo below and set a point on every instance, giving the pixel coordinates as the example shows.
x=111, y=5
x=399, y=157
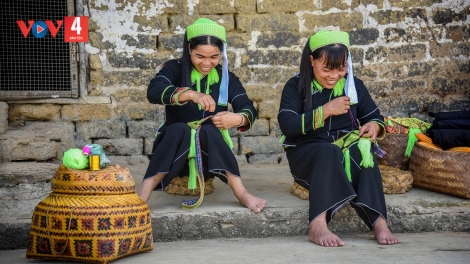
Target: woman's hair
x=335, y=55
x=187, y=65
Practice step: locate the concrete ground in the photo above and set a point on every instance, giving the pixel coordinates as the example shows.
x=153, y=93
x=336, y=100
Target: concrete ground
x=447, y=247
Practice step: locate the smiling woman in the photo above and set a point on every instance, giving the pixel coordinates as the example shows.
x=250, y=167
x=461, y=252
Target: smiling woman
x=326, y=104
x=194, y=138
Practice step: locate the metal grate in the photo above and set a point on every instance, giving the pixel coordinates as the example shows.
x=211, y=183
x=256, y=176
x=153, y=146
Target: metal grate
x=36, y=67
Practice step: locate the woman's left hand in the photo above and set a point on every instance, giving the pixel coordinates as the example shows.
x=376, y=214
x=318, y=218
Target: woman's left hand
x=226, y=120
x=370, y=130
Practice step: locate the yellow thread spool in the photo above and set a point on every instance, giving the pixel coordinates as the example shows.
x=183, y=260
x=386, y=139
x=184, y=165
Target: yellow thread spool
x=94, y=162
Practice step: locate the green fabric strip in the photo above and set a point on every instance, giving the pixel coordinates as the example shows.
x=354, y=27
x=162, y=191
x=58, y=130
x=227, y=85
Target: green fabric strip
x=226, y=137
x=303, y=124
x=192, y=161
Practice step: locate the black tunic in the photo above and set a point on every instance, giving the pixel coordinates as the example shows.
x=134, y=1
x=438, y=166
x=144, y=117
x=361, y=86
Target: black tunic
x=317, y=165
x=171, y=147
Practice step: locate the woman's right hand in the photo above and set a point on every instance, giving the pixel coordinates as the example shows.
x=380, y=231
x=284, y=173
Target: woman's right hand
x=337, y=106
x=206, y=101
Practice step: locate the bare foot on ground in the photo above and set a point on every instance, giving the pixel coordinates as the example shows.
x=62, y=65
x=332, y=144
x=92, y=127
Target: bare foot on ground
x=321, y=235
x=253, y=203
x=383, y=234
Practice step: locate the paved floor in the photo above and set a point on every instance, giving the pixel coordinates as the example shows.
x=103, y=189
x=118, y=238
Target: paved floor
x=449, y=247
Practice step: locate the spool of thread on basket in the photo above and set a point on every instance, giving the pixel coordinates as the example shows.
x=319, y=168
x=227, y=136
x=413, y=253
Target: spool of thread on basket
x=94, y=162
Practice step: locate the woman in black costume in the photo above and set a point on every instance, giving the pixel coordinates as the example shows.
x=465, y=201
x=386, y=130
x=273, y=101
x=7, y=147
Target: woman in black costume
x=321, y=104
x=194, y=139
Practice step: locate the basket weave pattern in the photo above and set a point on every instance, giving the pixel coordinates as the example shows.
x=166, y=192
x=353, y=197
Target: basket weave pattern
x=179, y=186
x=395, y=146
x=395, y=181
x=93, y=226
x=299, y=191
x=441, y=171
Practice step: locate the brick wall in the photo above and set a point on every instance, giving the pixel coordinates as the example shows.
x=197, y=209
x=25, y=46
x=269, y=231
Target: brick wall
x=412, y=55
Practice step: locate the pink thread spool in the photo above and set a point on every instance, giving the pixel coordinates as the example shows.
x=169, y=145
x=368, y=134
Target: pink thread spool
x=86, y=150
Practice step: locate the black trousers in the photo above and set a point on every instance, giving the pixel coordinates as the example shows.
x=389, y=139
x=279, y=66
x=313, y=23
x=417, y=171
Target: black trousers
x=319, y=167
x=171, y=148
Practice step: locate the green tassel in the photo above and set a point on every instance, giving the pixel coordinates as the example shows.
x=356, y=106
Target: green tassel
x=226, y=137
x=192, y=174
x=192, y=161
x=282, y=139
x=364, y=146
x=192, y=144
x=347, y=164
x=212, y=77
x=411, y=141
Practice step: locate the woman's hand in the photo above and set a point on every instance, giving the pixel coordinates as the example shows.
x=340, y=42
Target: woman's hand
x=206, y=101
x=370, y=130
x=226, y=120
x=337, y=106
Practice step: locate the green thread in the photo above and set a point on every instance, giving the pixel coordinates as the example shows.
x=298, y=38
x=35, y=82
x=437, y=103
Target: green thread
x=364, y=146
x=411, y=141
x=347, y=164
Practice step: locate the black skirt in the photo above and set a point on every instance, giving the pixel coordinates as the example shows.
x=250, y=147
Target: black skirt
x=171, y=148
x=319, y=167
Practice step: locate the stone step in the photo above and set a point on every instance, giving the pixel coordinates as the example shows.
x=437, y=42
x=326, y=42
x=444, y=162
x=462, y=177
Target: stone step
x=222, y=216
x=36, y=141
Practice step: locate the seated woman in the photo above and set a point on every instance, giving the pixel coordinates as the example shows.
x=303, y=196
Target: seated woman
x=194, y=140
x=320, y=105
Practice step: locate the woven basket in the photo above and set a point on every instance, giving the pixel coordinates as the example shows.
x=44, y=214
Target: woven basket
x=179, y=186
x=395, y=181
x=395, y=146
x=441, y=171
x=91, y=216
x=299, y=191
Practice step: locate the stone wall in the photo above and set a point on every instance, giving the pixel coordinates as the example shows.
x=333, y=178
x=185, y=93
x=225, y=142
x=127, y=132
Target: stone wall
x=412, y=55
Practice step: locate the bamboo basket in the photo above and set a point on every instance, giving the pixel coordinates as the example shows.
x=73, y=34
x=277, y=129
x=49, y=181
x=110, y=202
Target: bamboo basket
x=179, y=186
x=395, y=181
x=441, y=171
x=395, y=146
x=90, y=216
x=299, y=191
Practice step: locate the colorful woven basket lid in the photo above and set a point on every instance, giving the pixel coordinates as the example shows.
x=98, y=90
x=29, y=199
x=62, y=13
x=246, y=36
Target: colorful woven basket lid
x=111, y=180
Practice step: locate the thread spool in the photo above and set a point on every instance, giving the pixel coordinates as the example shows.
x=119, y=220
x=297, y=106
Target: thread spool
x=94, y=162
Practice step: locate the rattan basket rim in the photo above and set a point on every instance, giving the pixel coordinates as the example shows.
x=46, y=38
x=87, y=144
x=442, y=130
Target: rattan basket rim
x=441, y=151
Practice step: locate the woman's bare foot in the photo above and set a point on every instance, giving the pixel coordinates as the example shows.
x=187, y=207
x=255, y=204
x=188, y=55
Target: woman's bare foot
x=321, y=235
x=253, y=203
x=383, y=234
x=148, y=185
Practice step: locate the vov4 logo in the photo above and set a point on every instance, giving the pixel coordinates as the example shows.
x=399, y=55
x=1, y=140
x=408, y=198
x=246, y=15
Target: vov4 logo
x=75, y=28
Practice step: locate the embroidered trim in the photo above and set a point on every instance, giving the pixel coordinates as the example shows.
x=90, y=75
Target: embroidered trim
x=303, y=124
x=318, y=118
x=163, y=93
